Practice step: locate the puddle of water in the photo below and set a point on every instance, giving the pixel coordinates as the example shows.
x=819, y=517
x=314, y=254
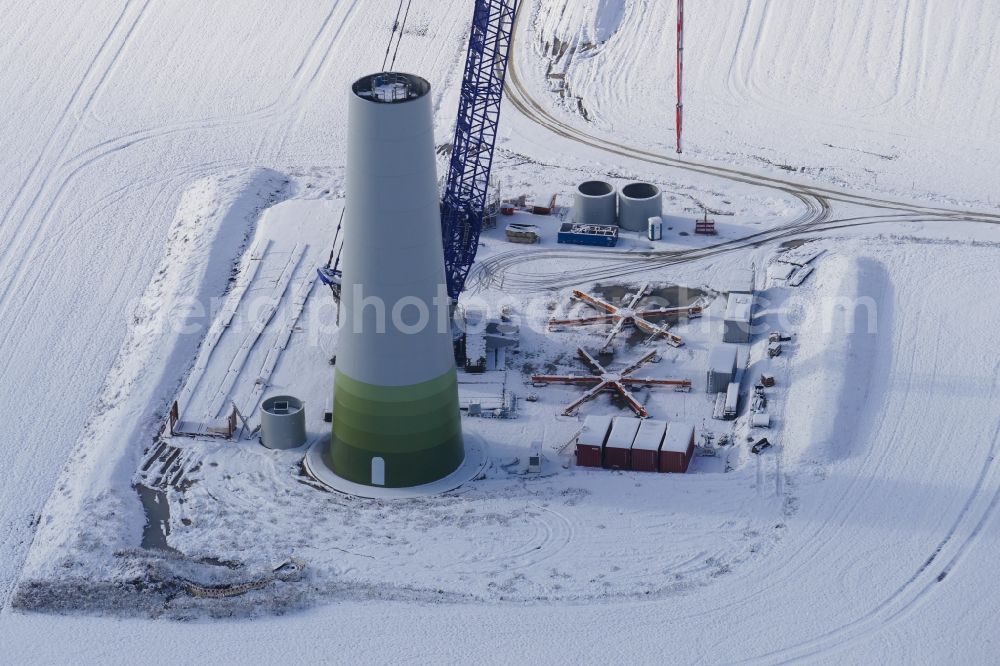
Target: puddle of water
x=157, y=509
x=794, y=243
x=216, y=562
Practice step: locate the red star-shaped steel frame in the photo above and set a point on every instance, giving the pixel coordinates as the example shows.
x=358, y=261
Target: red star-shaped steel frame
x=620, y=317
x=619, y=382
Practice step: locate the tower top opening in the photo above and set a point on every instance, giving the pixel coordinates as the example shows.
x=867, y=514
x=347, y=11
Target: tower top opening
x=391, y=87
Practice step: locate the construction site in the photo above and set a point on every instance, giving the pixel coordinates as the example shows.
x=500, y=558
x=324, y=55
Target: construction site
x=473, y=347
x=394, y=415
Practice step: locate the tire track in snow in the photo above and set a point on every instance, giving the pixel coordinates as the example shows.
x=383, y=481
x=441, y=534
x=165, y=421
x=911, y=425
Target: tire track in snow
x=495, y=271
x=299, y=107
x=15, y=553
x=747, y=80
x=68, y=172
x=550, y=533
x=872, y=622
x=905, y=599
x=489, y=271
x=521, y=98
x=14, y=544
x=805, y=558
x=924, y=581
x=43, y=164
x=744, y=55
x=69, y=113
x=27, y=235
x=796, y=563
x=65, y=174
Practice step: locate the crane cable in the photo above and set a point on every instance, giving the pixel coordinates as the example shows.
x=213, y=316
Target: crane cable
x=402, y=27
x=388, y=46
x=400, y=40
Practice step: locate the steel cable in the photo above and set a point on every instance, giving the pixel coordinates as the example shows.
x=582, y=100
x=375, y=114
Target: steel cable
x=400, y=39
x=388, y=47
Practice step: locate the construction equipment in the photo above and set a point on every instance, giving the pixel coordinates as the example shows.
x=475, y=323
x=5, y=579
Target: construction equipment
x=465, y=196
x=600, y=235
x=523, y=233
x=331, y=275
x=629, y=316
x=603, y=380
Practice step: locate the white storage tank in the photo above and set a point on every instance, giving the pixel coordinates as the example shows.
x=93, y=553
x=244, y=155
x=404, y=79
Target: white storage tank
x=595, y=203
x=637, y=202
x=282, y=422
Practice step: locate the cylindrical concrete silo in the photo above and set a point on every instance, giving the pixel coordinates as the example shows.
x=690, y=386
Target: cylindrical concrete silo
x=594, y=203
x=637, y=202
x=396, y=420
x=282, y=422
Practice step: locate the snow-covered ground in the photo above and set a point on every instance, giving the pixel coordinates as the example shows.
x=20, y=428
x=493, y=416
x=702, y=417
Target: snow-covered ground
x=856, y=93
x=868, y=536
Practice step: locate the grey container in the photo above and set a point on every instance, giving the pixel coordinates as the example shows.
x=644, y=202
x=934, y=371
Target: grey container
x=721, y=368
x=282, y=422
x=738, y=319
x=595, y=202
x=637, y=202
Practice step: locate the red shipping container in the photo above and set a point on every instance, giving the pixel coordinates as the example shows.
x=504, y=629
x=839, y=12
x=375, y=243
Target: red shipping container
x=677, y=449
x=588, y=456
x=618, y=449
x=590, y=442
x=646, y=447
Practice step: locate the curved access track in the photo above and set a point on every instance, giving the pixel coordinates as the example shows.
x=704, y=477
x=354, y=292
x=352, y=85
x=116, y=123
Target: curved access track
x=499, y=269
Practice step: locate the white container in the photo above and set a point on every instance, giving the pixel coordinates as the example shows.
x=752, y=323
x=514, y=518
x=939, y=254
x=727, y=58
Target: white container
x=655, y=228
x=535, y=458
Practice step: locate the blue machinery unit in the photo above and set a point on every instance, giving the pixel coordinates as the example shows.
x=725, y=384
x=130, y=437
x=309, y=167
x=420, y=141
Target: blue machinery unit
x=601, y=235
x=464, y=201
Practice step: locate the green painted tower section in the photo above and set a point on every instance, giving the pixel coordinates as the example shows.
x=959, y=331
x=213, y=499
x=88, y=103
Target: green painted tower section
x=415, y=429
x=396, y=420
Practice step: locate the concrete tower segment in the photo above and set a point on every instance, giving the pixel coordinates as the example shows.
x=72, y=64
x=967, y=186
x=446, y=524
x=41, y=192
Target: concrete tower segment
x=396, y=421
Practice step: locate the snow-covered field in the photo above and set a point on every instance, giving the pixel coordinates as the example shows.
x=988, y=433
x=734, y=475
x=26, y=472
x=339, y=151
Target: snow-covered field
x=144, y=138
x=858, y=93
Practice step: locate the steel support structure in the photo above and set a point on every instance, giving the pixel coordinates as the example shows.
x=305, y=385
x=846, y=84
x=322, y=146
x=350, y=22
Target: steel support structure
x=630, y=316
x=620, y=383
x=464, y=200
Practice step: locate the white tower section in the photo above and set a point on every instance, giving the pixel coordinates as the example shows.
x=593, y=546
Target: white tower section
x=396, y=420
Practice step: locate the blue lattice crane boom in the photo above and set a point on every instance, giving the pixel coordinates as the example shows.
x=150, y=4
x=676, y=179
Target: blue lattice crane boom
x=464, y=202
